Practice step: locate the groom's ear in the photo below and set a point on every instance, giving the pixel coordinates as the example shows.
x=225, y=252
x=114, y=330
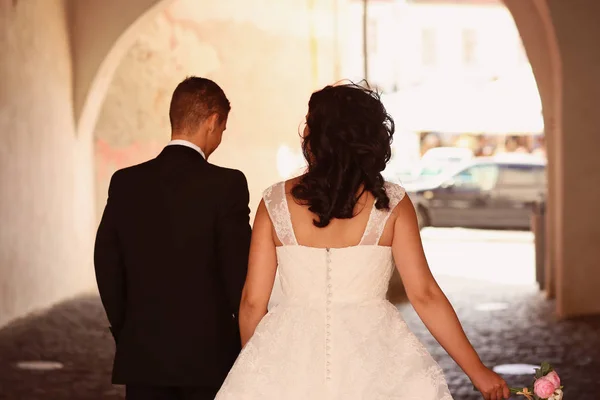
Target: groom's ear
x=212, y=122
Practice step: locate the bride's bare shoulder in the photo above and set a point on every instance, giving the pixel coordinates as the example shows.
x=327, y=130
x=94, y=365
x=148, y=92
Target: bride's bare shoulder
x=291, y=183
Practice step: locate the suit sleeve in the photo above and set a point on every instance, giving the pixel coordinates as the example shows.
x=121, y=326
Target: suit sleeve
x=108, y=263
x=233, y=239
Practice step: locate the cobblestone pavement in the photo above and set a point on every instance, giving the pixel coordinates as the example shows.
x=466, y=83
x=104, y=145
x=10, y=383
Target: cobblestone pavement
x=525, y=332
x=74, y=334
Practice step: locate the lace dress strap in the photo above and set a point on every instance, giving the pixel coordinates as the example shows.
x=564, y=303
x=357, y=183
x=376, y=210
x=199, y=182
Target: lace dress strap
x=378, y=218
x=277, y=206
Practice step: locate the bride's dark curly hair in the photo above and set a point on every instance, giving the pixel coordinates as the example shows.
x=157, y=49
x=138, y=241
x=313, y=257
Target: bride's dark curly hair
x=347, y=145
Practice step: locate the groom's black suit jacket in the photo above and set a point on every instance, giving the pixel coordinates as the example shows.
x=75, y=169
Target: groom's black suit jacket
x=171, y=258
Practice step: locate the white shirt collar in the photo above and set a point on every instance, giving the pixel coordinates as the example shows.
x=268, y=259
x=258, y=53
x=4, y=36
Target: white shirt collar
x=182, y=142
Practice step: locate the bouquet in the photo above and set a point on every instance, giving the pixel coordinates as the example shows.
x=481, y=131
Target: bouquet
x=546, y=385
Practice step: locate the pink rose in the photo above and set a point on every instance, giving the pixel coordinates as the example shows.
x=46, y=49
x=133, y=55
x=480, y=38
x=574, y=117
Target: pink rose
x=543, y=388
x=554, y=378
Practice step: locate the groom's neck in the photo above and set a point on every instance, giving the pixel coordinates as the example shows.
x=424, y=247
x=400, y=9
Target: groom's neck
x=195, y=139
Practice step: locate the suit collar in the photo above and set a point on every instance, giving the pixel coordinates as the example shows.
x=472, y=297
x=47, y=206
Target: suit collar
x=181, y=152
x=186, y=143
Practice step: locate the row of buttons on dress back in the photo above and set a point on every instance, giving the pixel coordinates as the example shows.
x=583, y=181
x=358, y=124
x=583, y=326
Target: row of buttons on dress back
x=328, y=316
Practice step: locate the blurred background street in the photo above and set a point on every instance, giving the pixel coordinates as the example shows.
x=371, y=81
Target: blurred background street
x=489, y=256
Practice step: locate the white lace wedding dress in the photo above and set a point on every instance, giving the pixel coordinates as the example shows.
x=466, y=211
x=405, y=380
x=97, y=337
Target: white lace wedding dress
x=334, y=335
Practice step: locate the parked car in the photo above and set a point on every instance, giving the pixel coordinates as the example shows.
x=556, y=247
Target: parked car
x=486, y=192
x=434, y=163
x=438, y=160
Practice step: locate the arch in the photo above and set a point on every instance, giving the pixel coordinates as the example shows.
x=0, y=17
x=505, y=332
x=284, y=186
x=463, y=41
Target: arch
x=537, y=31
x=101, y=33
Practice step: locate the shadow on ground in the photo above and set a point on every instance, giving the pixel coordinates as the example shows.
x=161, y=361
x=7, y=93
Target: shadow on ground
x=73, y=333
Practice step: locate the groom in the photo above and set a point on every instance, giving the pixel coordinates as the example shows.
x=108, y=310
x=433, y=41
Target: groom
x=171, y=257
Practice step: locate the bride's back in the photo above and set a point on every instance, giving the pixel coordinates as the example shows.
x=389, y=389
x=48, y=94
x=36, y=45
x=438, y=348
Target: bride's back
x=344, y=263
x=339, y=233
x=332, y=334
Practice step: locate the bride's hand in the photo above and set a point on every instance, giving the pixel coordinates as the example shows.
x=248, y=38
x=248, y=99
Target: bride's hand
x=490, y=384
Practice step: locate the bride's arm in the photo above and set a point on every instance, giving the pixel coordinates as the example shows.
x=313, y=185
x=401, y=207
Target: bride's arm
x=262, y=265
x=433, y=307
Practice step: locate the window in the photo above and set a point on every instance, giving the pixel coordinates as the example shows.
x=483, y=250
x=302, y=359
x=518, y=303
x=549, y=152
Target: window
x=523, y=175
x=482, y=177
x=428, y=47
x=469, y=37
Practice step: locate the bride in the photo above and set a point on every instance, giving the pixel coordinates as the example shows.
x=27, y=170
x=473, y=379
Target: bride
x=336, y=233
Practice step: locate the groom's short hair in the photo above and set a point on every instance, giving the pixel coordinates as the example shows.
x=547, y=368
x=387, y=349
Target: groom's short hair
x=194, y=100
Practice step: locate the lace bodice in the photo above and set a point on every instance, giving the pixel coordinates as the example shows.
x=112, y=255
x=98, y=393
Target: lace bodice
x=276, y=202
x=320, y=276
x=333, y=336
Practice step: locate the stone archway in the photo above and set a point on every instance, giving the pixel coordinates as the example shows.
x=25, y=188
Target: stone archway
x=101, y=35
x=94, y=71
x=539, y=39
x=254, y=57
x=101, y=32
